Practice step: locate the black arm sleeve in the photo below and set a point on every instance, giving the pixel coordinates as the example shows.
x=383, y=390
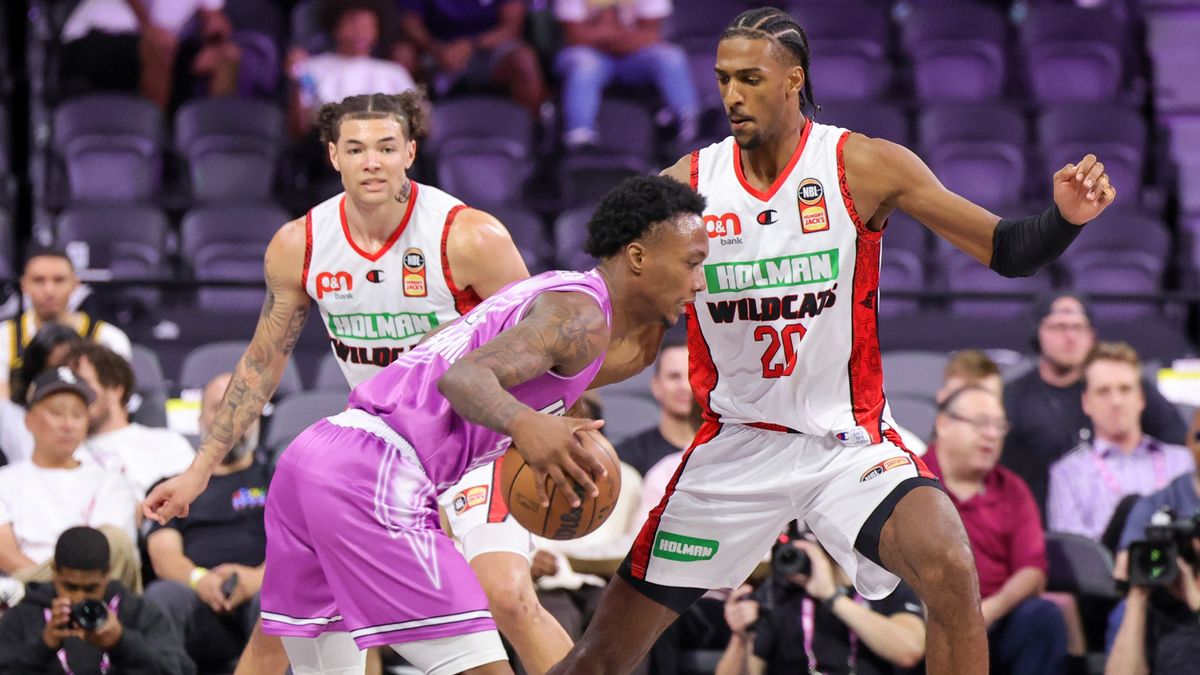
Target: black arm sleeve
x=1022, y=247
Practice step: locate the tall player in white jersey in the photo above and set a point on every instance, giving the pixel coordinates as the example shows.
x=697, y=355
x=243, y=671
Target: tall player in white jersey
x=386, y=262
x=785, y=362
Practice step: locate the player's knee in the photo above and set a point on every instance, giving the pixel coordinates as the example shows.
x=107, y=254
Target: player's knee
x=512, y=599
x=947, y=575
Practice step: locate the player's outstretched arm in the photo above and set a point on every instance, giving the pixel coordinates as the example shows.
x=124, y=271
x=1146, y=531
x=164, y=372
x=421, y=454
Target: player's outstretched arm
x=563, y=332
x=255, y=377
x=883, y=176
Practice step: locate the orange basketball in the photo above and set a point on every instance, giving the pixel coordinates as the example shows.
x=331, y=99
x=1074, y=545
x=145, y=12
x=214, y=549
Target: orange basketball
x=560, y=520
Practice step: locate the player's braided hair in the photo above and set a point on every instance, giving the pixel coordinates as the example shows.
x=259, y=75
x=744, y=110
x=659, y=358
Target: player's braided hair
x=629, y=210
x=777, y=25
x=410, y=107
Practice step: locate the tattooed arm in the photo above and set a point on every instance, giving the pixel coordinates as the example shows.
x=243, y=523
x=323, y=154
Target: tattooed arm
x=563, y=332
x=256, y=376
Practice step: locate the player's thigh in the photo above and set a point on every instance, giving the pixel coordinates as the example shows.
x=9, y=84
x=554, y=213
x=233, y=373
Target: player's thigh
x=327, y=654
x=727, y=501
x=455, y=654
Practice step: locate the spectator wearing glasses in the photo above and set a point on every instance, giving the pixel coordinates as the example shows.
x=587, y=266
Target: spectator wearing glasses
x=1045, y=406
x=1026, y=633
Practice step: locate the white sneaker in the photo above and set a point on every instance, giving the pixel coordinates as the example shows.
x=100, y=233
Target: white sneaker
x=11, y=592
x=579, y=138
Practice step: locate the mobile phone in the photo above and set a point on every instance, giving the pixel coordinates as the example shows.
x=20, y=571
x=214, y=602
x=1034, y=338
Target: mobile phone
x=229, y=585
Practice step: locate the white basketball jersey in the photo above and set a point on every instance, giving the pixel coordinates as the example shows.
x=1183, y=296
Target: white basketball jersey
x=784, y=334
x=377, y=305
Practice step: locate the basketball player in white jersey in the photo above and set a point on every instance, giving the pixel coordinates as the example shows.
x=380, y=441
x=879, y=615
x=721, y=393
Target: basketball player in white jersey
x=785, y=362
x=386, y=262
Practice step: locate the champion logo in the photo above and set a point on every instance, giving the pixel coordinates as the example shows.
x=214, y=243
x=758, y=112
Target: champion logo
x=768, y=217
x=375, y=276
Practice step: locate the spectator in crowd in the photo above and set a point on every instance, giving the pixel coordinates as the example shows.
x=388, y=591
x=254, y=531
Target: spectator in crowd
x=357, y=28
x=970, y=366
x=43, y=497
x=47, y=349
x=1045, y=406
x=477, y=43
x=40, y=635
x=1119, y=459
x=817, y=623
x=163, y=49
x=1159, y=632
x=679, y=418
x=619, y=41
x=144, y=455
x=222, y=541
x=1027, y=634
x=48, y=280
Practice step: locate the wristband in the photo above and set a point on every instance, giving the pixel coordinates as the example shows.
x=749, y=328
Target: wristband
x=197, y=574
x=841, y=592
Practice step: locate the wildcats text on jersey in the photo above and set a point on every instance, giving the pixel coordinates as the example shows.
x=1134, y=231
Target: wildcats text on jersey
x=790, y=307
x=792, y=270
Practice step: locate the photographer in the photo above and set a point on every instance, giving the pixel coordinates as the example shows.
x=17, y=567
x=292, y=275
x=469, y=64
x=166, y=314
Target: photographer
x=814, y=622
x=83, y=623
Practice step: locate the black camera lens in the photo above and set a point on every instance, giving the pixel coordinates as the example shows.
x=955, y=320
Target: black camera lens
x=89, y=615
x=789, y=560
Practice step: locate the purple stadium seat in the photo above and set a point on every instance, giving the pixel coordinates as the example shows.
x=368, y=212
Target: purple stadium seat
x=977, y=150
x=228, y=243
x=697, y=25
x=570, y=232
x=878, y=120
x=306, y=29
x=848, y=42
x=1122, y=251
x=964, y=273
x=957, y=52
x=117, y=235
x=8, y=245
x=530, y=235
x=1114, y=133
x=626, y=147
x=481, y=145
x=1072, y=53
x=231, y=146
x=111, y=146
x=902, y=265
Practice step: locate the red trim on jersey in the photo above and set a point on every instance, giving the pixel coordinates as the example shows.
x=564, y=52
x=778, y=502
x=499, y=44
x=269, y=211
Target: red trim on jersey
x=497, y=507
x=783, y=175
x=768, y=426
x=702, y=370
x=866, y=363
x=922, y=470
x=307, y=250
x=845, y=189
x=639, y=556
x=694, y=175
x=412, y=200
x=464, y=299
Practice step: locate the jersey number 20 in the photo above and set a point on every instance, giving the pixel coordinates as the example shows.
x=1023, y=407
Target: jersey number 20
x=788, y=338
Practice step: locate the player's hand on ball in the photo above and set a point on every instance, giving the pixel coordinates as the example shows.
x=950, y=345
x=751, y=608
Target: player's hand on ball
x=550, y=447
x=172, y=498
x=1082, y=190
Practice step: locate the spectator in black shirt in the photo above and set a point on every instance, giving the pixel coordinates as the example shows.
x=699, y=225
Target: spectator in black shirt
x=678, y=423
x=39, y=635
x=1045, y=406
x=197, y=558
x=820, y=618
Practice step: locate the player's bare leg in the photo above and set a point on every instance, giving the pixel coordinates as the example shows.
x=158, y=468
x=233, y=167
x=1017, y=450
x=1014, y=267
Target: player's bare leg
x=625, y=627
x=924, y=543
x=536, y=635
x=496, y=668
x=263, y=655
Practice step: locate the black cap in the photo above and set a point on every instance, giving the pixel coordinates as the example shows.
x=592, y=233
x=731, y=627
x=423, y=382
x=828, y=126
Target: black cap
x=55, y=380
x=1044, y=304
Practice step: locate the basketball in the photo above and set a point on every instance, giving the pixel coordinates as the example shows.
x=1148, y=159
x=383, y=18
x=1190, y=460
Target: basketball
x=560, y=520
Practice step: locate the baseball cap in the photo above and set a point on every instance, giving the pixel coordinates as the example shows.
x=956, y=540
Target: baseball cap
x=1044, y=306
x=55, y=380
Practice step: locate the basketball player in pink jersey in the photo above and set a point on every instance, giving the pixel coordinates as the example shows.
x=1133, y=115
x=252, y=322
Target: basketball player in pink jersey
x=785, y=362
x=386, y=261
x=356, y=557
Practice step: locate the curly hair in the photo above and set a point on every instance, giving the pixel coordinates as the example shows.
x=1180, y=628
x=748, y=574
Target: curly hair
x=112, y=370
x=630, y=211
x=411, y=108
x=330, y=13
x=778, y=26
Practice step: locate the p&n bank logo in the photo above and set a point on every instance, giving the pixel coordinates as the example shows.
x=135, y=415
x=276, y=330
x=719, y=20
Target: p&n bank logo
x=331, y=282
x=726, y=228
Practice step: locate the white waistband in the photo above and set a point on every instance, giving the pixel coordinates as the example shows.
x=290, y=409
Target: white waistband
x=362, y=420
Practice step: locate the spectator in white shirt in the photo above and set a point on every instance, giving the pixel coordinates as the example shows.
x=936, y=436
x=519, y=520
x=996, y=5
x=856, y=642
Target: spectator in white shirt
x=48, y=349
x=53, y=491
x=144, y=455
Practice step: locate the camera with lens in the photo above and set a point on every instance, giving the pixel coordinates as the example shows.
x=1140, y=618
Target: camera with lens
x=1152, y=561
x=89, y=615
x=786, y=559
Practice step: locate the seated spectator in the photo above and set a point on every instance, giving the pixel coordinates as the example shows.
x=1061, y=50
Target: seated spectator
x=43, y=497
x=477, y=43
x=48, y=280
x=679, y=417
x=1026, y=633
x=144, y=455
x=817, y=623
x=621, y=42
x=47, y=349
x=970, y=366
x=1159, y=632
x=356, y=27
x=160, y=48
x=222, y=541
x=1045, y=405
x=1119, y=459
x=40, y=635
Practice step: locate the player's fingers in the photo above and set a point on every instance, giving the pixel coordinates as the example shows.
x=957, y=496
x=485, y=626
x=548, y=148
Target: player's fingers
x=584, y=424
x=582, y=477
x=591, y=464
x=1098, y=188
x=1065, y=174
x=1108, y=195
x=1093, y=174
x=540, y=481
x=564, y=485
x=1084, y=166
